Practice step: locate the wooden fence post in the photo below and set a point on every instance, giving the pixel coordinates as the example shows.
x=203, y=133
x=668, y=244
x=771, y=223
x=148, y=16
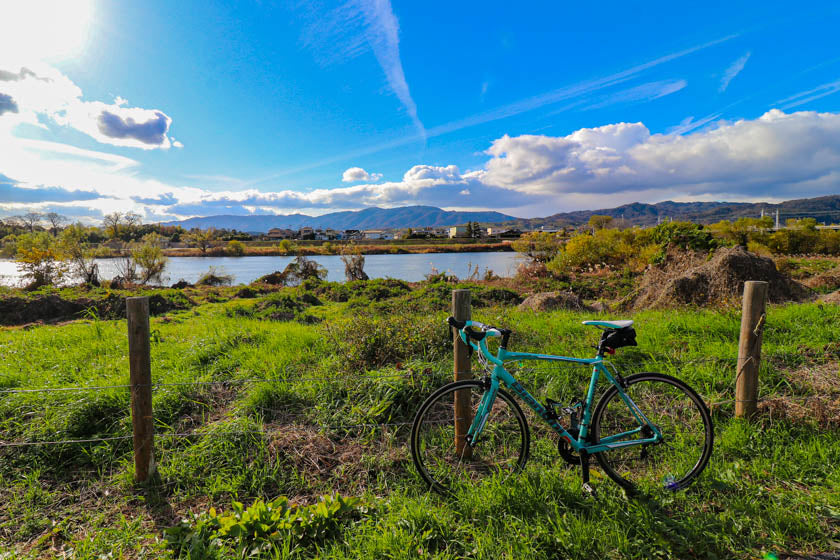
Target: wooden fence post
x=461, y=310
x=140, y=376
x=749, y=348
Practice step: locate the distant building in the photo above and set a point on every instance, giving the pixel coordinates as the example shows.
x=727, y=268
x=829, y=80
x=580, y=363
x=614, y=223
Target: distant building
x=457, y=231
x=377, y=234
x=306, y=233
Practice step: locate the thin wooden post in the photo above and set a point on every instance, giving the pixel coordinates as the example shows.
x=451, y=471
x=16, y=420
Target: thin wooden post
x=140, y=376
x=749, y=348
x=461, y=310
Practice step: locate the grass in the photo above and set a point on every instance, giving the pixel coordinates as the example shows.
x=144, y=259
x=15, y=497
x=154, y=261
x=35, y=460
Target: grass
x=298, y=423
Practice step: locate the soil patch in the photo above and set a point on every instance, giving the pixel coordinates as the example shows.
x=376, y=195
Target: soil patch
x=548, y=301
x=833, y=297
x=825, y=282
x=690, y=279
x=53, y=308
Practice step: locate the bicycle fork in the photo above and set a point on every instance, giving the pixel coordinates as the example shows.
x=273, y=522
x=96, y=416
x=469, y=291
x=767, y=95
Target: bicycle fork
x=483, y=412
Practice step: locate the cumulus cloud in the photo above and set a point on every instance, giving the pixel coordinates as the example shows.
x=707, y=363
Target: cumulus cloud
x=356, y=174
x=47, y=93
x=776, y=156
x=777, y=152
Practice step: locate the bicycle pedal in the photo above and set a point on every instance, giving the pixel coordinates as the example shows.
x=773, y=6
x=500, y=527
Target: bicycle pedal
x=588, y=490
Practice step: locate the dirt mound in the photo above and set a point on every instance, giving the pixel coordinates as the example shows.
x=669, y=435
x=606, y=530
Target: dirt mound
x=691, y=279
x=828, y=280
x=52, y=308
x=833, y=297
x=548, y=301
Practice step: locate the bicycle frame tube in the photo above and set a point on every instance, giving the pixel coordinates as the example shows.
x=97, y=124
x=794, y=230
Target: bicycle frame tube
x=500, y=374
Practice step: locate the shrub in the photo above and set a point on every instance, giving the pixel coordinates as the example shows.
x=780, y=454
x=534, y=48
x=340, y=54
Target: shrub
x=151, y=261
x=40, y=259
x=214, y=277
x=539, y=246
x=235, y=248
x=354, y=263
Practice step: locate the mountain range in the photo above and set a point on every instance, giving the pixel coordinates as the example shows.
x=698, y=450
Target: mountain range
x=823, y=209
x=369, y=218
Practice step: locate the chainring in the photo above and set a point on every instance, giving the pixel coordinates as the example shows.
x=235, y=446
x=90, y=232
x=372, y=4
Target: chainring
x=566, y=451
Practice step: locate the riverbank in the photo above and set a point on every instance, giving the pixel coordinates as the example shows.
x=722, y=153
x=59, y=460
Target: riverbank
x=327, y=248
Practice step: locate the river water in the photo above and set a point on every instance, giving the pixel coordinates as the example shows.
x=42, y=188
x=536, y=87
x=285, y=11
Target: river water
x=411, y=268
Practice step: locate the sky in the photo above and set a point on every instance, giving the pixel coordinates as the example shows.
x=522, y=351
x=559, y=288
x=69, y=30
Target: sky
x=197, y=108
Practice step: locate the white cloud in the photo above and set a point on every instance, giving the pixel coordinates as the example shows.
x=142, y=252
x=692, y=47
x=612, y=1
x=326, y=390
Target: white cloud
x=42, y=91
x=776, y=156
x=356, y=174
x=776, y=153
x=733, y=70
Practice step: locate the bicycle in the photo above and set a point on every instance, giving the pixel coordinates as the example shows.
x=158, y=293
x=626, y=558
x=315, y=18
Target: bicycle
x=648, y=431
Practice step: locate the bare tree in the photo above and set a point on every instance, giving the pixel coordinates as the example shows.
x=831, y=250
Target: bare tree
x=132, y=220
x=31, y=220
x=55, y=220
x=112, y=223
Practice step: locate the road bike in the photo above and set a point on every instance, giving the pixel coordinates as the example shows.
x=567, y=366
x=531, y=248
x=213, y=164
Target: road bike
x=649, y=432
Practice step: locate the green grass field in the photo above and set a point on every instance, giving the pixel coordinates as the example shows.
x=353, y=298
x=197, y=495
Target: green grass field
x=317, y=405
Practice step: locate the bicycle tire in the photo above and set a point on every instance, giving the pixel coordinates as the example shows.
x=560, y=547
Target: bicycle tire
x=503, y=447
x=682, y=418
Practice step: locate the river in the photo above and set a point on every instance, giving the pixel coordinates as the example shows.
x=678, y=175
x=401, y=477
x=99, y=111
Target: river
x=244, y=270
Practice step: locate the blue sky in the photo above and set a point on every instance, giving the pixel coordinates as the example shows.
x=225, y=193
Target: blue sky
x=174, y=109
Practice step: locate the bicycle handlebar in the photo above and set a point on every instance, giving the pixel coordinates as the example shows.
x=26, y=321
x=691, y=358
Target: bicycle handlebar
x=485, y=330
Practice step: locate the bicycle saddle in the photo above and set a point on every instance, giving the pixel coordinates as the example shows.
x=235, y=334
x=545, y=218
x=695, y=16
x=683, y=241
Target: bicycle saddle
x=609, y=324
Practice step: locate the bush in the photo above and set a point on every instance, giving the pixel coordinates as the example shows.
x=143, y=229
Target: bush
x=40, y=259
x=151, y=261
x=235, y=248
x=214, y=277
x=539, y=246
x=296, y=272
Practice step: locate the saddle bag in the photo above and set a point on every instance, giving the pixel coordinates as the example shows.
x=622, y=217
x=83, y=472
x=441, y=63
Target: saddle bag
x=619, y=338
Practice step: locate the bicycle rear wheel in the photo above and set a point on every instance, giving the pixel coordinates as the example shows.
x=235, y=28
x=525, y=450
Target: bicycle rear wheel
x=502, y=448
x=681, y=417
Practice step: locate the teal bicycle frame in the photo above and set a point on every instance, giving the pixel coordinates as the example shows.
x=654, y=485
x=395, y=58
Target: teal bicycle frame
x=501, y=375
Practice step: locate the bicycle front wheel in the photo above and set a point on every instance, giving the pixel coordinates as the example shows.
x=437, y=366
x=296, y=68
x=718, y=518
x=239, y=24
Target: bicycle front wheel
x=445, y=461
x=677, y=412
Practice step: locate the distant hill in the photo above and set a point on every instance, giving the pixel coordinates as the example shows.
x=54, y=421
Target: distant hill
x=823, y=209
x=369, y=218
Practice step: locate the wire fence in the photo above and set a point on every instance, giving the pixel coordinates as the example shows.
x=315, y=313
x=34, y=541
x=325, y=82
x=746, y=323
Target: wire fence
x=290, y=419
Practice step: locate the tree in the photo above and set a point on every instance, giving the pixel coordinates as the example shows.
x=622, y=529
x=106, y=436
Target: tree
x=31, y=220
x=201, y=238
x=132, y=222
x=113, y=224
x=55, y=220
x=599, y=221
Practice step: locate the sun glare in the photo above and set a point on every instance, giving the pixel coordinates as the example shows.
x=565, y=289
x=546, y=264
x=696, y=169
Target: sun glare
x=45, y=30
